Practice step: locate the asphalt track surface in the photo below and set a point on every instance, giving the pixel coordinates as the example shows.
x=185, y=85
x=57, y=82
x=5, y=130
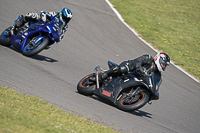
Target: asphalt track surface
x=95, y=35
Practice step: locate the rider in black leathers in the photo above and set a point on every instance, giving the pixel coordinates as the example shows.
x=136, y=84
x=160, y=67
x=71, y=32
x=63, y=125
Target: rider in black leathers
x=144, y=65
x=62, y=18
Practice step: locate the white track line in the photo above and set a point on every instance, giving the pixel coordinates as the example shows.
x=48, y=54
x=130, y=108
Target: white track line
x=122, y=20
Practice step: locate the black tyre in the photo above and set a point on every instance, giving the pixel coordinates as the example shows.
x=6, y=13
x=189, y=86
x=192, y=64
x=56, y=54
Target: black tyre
x=85, y=86
x=5, y=40
x=127, y=103
x=33, y=48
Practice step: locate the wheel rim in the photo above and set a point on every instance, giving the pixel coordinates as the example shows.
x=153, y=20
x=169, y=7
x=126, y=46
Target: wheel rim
x=32, y=46
x=86, y=83
x=129, y=101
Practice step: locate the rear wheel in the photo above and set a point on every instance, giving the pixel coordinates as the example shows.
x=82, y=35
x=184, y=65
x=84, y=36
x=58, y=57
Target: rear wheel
x=85, y=86
x=127, y=103
x=35, y=45
x=4, y=39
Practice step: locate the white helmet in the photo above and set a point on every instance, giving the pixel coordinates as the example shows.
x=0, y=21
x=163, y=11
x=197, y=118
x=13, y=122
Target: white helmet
x=161, y=60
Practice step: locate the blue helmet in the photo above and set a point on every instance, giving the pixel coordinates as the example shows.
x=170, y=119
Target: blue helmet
x=66, y=14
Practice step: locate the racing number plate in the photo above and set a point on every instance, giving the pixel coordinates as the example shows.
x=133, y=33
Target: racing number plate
x=106, y=93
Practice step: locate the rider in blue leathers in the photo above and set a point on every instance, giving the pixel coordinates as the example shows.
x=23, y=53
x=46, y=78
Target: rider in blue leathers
x=63, y=17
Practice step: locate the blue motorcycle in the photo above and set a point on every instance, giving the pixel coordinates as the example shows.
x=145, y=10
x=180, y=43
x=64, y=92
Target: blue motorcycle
x=32, y=38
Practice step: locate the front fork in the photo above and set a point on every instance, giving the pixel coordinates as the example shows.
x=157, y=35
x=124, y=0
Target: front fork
x=137, y=91
x=97, y=70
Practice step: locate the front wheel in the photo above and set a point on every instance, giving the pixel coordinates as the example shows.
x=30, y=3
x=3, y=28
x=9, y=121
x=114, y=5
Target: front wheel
x=4, y=39
x=85, y=86
x=35, y=45
x=127, y=103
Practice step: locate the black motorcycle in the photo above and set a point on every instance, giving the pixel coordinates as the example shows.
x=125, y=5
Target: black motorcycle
x=128, y=92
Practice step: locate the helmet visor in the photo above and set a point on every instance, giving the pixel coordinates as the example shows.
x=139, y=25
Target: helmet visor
x=163, y=65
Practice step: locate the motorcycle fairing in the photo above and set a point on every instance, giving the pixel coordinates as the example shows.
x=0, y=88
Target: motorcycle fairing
x=19, y=40
x=112, y=90
x=16, y=41
x=107, y=91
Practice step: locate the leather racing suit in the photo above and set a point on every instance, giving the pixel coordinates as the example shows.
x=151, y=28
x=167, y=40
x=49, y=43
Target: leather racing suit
x=143, y=65
x=45, y=17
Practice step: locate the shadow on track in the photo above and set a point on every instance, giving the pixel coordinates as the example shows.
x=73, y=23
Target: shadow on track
x=43, y=58
x=141, y=113
x=36, y=57
x=135, y=112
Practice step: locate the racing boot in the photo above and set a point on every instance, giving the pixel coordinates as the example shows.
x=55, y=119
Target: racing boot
x=10, y=32
x=102, y=76
x=20, y=21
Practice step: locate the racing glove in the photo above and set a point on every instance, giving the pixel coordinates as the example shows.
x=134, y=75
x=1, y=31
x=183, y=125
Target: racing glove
x=31, y=16
x=44, y=16
x=140, y=71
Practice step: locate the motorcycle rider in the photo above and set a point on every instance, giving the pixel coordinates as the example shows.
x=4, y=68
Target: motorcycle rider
x=62, y=18
x=144, y=65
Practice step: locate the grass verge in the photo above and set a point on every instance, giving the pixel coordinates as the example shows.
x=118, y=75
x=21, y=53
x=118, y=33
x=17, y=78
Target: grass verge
x=171, y=26
x=27, y=114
